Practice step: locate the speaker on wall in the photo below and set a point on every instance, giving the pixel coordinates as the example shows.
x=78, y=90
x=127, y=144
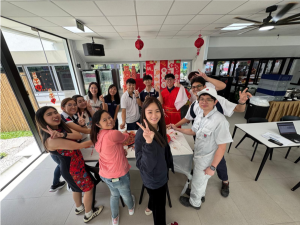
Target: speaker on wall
x=92, y=49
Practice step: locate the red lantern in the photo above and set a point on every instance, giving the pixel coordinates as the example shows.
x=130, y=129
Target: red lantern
x=139, y=44
x=198, y=43
x=38, y=87
x=53, y=100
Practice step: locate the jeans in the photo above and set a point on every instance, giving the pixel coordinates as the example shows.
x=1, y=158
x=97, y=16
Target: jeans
x=157, y=204
x=133, y=126
x=57, y=173
x=121, y=187
x=222, y=170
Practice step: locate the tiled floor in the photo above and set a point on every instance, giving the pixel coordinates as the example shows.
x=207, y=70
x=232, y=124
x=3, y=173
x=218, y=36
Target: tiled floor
x=267, y=201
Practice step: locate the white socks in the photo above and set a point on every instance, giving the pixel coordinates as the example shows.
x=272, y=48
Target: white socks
x=80, y=207
x=89, y=214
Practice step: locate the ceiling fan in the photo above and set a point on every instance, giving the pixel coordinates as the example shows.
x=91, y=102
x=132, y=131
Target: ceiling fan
x=271, y=22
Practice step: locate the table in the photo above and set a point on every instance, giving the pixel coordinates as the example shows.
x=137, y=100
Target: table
x=279, y=109
x=252, y=130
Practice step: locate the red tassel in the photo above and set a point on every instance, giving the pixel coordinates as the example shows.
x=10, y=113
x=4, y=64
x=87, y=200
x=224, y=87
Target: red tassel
x=140, y=54
x=198, y=50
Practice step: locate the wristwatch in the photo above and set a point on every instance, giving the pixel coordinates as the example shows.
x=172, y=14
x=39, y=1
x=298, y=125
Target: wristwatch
x=241, y=103
x=212, y=168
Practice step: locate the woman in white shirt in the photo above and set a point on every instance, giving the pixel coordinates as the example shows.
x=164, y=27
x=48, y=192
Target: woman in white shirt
x=85, y=108
x=95, y=97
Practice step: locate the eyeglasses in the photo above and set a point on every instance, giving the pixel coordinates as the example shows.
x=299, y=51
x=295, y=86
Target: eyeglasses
x=196, y=87
x=205, y=100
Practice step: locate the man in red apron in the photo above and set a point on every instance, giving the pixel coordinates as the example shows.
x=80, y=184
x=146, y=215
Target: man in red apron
x=172, y=115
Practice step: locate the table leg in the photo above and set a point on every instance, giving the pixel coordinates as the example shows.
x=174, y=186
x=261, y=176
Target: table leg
x=235, y=127
x=263, y=162
x=297, y=160
x=297, y=186
x=271, y=154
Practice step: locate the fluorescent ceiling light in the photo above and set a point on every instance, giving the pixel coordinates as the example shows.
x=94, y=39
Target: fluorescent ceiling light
x=237, y=26
x=266, y=28
x=76, y=30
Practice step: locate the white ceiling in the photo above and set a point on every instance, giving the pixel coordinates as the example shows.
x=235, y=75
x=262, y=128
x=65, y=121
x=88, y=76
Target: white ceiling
x=123, y=19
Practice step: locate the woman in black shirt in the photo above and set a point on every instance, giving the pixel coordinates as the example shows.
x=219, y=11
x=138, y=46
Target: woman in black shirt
x=154, y=157
x=112, y=102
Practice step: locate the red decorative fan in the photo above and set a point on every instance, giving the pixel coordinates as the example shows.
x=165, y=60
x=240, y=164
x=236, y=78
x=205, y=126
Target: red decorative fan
x=130, y=139
x=169, y=138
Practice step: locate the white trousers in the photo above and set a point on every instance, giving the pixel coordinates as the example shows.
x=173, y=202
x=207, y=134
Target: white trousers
x=200, y=179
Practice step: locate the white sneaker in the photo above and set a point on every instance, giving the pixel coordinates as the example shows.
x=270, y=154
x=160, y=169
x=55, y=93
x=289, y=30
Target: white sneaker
x=115, y=221
x=148, y=213
x=131, y=211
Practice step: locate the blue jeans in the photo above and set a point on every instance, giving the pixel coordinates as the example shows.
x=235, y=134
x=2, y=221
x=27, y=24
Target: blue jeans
x=121, y=187
x=57, y=173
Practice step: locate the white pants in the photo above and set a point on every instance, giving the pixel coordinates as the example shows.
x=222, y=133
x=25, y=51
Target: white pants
x=200, y=179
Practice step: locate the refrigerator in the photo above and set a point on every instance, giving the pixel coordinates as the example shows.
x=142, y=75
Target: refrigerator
x=104, y=77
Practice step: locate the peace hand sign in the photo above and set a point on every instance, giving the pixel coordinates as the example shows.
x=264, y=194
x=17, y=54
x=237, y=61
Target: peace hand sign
x=101, y=98
x=202, y=75
x=148, y=134
x=244, y=96
x=81, y=120
x=53, y=133
x=136, y=92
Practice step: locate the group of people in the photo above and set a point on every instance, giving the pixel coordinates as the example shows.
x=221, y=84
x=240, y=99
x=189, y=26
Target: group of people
x=92, y=120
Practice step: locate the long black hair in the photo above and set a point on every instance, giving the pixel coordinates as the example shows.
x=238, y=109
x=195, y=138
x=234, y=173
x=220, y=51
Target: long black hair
x=41, y=123
x=117, y=96
x=99, y=90
x=160, y=135
x=75, y=97
x=95, y=121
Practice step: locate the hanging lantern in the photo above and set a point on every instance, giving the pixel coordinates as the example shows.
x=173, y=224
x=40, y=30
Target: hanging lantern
x=139, y=44
x=51, y=96
x=36, y=82
x=198, y=43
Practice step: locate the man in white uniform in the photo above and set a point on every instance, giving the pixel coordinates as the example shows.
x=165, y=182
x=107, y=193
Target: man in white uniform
x=226, y=108
x=212, y=134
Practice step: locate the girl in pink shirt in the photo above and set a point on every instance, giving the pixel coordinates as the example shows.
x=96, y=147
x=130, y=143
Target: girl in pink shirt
x=113, y=164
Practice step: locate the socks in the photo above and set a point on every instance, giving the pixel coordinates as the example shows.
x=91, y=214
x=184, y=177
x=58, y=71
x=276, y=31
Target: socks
x=89, y=214
x=225, y=182
x=80, y=207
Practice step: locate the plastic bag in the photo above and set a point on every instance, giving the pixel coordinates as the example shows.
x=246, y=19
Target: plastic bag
x=261, y=100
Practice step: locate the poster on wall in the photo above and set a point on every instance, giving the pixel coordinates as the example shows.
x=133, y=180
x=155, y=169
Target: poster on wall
x=159, y=69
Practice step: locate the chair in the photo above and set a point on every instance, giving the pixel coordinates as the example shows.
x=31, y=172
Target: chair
x=289, y=118
x=254, y=120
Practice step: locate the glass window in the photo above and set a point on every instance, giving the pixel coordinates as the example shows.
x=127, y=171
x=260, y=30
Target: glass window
x=44, y=75
x=269, y=66
x=209, y=68
x=241, y=71
x=64, y=77
x=184, y=70
x=277, y=66
x=88, y=77
x=253, y=71
x=105, y=80
x=231, y=68
x=133, y=73
x=222, y=68
x=295, y=71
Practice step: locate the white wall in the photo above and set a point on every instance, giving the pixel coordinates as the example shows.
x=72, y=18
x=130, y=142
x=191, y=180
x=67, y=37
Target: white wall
x=38, y=57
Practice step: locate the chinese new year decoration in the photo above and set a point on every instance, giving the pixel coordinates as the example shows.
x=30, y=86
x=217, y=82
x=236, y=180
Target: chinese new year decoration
x=126, y=76
x=198, y=43
x=51, y=96
x=139, y=44
x=36, y=82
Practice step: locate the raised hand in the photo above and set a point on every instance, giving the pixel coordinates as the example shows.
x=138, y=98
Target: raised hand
x=176, y=84
x=148, y=134
x=53, y=133
x=244, y=96
x=88, y=105
x=81, y=120
x=157, y=89
x=137, y=93
x=173, y=126
x=101, y=98
x=202, y=75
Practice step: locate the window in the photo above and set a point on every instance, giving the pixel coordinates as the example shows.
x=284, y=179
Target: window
x=269, y=66
x=184, y=70
x=277, y=66
x=241, y=71
x=222, y=68
x=64, y=77
x=209, y=68
x=44, y=75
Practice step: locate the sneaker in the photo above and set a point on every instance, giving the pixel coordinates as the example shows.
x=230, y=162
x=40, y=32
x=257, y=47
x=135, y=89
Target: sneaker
x=96, y=212
x=175, y=223
x=148, y=213
x=77, y=212
x=131, y=211
x=188, y=192
x=60, y=185
x=186, y=202
x=225, y=189
x=115, y=221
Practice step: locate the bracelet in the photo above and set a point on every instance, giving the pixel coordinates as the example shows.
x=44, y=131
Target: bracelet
x=241, y=103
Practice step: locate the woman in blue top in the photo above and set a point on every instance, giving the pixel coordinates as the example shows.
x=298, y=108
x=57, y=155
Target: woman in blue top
x=112, y=102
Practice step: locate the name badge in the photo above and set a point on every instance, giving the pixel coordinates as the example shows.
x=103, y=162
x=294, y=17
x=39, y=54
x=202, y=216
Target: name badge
x=114, y=180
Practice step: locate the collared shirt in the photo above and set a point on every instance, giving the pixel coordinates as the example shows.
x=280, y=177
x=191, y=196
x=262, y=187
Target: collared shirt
x=94, y=105
x=152, y=93
x=171, y=89
x=226, y=105
x=132, y=108
x=74, y=119
x=194, y=97
x=211, y=131
x=112, y=106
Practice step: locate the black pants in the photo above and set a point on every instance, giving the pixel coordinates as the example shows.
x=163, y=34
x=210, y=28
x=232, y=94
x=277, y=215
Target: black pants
x=116, y=125
x=157, y=204
x=222, y=170
x=133, y=126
